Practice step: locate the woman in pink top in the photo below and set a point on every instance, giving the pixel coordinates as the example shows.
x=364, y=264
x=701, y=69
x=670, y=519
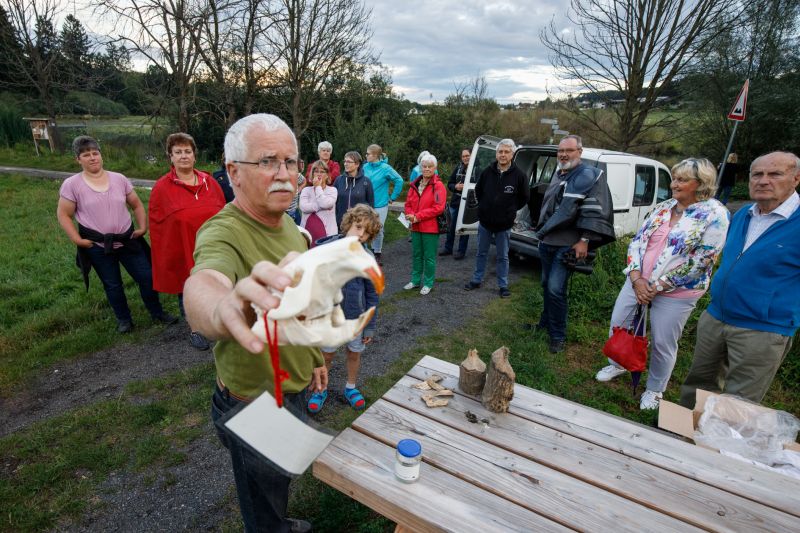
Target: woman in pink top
x=105, y=236
x=318, y=203
x=669, y=268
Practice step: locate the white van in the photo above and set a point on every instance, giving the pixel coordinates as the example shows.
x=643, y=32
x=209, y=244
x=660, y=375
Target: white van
x=637, y=185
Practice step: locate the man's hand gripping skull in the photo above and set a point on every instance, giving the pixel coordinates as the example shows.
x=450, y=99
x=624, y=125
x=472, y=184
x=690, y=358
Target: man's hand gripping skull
x=310, y=313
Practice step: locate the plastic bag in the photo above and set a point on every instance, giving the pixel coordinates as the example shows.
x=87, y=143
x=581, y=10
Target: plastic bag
x=735, y=425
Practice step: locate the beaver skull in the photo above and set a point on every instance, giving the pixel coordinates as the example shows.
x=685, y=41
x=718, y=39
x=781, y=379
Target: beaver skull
x=310, y=313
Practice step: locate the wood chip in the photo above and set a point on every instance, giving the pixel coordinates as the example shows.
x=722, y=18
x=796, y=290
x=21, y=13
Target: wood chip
x=433, y=384
x=443, y=392
x=423, y=385
x=432, y=401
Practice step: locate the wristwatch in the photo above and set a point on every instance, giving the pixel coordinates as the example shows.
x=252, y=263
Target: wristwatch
x=584, y=239
x=659, y=287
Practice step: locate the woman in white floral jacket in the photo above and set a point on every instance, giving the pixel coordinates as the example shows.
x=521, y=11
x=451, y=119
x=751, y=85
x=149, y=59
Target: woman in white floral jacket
x=669, y=267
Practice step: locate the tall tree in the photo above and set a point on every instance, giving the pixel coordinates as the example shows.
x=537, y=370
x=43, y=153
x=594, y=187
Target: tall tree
x=36, y=57
x=766, y=50
x=634, y=48
x=162, y=32
x=311, y=41
x=74, y=48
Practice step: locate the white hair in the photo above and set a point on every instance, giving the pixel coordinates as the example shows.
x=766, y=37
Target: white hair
x=421, y=155
x=507, y=142
x=429, y=158
x=235, y=145
x=326, y=145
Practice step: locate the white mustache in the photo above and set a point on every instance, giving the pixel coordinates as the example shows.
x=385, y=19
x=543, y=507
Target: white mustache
x=278, y=186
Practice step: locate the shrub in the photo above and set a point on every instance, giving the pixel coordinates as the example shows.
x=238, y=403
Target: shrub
x=83, y=103
x=12, y=128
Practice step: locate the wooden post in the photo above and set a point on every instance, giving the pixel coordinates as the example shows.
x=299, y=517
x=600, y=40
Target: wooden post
x=472, y=374
x=499, y=388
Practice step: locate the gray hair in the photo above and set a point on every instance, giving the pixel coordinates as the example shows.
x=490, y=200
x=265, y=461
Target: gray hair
x=421, y=155
x=573, y=136
x=84, y=143
x=235, y=145
x=507, y=142
x=326, y=145
x=429, y=158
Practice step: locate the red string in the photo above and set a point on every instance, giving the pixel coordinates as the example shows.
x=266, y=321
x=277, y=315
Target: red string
x=275, y=356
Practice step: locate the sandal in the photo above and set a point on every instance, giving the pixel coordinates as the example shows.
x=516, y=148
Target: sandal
x=355, y=398
x=317, y=401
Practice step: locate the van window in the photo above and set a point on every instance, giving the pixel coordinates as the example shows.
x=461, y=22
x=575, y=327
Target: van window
x=645, y=185
x=486, y=156
x=664, y=191
x=544, y=169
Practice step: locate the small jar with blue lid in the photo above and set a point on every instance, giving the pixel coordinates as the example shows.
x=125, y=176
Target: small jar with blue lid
x=409, y=456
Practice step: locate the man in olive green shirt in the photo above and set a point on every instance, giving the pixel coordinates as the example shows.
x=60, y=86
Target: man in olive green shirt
x=238, y=256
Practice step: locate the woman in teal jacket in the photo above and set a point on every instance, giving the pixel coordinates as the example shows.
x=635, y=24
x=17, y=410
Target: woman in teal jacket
x=381, y=174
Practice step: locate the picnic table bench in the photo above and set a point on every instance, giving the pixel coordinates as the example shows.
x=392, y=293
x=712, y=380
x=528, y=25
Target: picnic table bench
x=547, y=465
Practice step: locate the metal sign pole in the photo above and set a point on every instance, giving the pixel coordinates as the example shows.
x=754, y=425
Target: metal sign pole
x=727, y=153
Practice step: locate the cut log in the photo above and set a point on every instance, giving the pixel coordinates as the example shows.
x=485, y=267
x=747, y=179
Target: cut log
x=499, y=388
x=472, y=374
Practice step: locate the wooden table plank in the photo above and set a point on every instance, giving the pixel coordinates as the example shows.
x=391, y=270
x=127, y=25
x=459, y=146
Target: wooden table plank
x=528, y=484
x=363, y=469
x=768, y=488
x=665, y=491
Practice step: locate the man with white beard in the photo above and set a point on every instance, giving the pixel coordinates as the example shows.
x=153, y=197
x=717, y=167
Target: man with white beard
x=577, y=214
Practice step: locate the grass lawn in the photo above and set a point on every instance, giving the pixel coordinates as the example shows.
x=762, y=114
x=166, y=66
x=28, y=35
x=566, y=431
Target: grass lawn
x=52, y=471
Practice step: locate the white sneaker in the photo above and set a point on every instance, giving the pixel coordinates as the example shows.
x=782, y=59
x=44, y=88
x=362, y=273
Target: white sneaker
x=649, y=400
x=609, y=372
x=424, y=290
x=408, y=286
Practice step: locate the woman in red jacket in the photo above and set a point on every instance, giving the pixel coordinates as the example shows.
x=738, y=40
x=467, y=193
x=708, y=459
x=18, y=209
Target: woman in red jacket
x=181, y=201
x=426, y=200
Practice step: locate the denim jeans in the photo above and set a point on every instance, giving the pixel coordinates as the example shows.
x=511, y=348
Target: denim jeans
x=463, y=241
x=377, y=242
x=555, y=276
x=263, y=491
x=723, y=194
x=137, y=265
x=501, y=247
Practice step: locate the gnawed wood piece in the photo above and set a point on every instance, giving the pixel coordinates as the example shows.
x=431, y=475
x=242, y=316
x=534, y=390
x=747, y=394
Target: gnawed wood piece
x=499, y=388
x=472, y=374
x=432, y=383
x=432, y=401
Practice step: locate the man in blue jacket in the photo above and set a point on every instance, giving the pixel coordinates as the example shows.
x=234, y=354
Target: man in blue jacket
x=747, y=329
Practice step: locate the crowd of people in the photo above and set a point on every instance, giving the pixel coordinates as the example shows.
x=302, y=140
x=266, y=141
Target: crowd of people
x=220, y=254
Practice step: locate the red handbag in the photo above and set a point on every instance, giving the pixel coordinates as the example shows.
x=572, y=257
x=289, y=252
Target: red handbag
x=628, y=346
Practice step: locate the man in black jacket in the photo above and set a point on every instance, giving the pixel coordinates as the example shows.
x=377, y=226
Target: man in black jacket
x=501, y=191
x=577, y=212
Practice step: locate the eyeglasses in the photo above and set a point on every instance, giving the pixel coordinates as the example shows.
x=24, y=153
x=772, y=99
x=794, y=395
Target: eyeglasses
x=567, y=150
x=273, y=165
x=349, y=161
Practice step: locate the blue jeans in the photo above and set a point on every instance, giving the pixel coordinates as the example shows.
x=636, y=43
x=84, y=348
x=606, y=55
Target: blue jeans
x=377, y=242
x=137, y=265
x=263, y=491
x=724, y=193
x=463, y=241
x=555, y=276
x=501, y=247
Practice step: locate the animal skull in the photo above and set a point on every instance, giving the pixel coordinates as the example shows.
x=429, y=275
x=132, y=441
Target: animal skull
x=310, y=313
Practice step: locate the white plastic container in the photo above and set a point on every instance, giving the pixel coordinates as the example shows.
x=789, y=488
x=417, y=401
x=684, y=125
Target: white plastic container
x=409, y=456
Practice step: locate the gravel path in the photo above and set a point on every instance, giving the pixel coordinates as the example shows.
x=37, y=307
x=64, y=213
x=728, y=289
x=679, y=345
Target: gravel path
x=198, y=494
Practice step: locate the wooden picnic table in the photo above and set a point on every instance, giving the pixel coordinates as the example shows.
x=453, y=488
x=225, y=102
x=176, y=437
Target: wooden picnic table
x=547, y=465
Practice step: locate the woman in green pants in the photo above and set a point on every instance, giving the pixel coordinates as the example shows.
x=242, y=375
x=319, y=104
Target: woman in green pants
x=426, y=200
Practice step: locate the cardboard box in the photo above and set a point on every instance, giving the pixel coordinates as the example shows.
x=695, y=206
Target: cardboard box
x=683, y=421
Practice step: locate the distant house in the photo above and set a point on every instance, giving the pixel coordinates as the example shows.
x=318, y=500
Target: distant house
x=416, y=111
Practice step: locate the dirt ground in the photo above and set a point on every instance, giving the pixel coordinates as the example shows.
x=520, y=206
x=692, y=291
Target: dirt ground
x=199, y=494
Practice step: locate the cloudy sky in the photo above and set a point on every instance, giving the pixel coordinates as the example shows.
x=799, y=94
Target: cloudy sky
x=430, y=46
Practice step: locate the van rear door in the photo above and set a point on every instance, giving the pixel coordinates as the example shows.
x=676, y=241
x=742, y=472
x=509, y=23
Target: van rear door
x=483, y=155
